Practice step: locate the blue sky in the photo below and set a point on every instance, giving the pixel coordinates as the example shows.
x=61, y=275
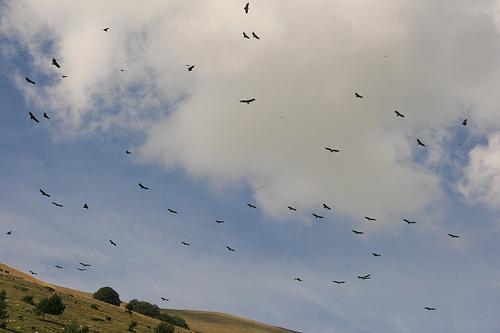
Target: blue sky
x=206, y=156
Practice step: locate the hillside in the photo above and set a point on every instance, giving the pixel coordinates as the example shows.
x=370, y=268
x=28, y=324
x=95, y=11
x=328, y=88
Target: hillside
x=103, y=317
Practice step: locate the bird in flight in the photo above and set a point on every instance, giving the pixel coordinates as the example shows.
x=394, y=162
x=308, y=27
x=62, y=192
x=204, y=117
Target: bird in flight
x=357, y=232
x=81, y=269
x=64, y=76
x=358, y=95
x=409, y=222
x=219, y=221
x=254, y=35
x=172, y=211
x=128, y=152
x=248, y=101
x=85, y=265
x=165, y=299
x=29, y=80
x=33, y=273
x=55, y=63
x=332, y=150
x=56, y=204
x=453, y=236
x=298, y=279
x=9, y=232
x=375, y=254
x=251, y=206
x=364, y=277
x=112, y=243
x=45, y=115
x=190, y=68
x=429, y=308
x=247, y=6
x=338, y=282
x=58, y=267
x=184, y=243
x=317, y=216
x=105, y=29
x=85, y=206
x=370, y=218
x=245, y=35
x=399, y=114
x=230, y=249
x=292, y=208
x=325, y=206
x=420, y=143
x=143, y=187
x=464, y=122
x=44, y=193
x=32, y=117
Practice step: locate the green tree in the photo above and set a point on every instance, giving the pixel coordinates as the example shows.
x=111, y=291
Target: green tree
x=145, y=308
x=164, y=328
x=3, y=309
x=50, y=305
x=174, y=320
x=75, y=328
x=108, y=295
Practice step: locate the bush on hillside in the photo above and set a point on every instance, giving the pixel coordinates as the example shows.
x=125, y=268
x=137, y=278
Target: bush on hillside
x=164, y=328
x=50, y=305
x=3, y=309
x=145, y=308
x=75, y=328
x=28, y=299
x=174, y=320
x=108, y=295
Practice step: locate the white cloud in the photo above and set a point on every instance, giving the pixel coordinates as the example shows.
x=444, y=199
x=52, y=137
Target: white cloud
x=427, y=59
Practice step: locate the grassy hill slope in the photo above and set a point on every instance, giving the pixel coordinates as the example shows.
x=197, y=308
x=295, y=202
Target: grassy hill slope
x=100, y=316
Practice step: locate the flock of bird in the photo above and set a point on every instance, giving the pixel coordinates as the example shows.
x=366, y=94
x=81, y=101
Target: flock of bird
x=83, y=266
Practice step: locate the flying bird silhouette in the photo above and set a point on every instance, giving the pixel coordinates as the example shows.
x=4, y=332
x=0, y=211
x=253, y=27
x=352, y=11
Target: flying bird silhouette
x=56, y=204
x=464, y=122
x=85, y=206
x=357, y=232
x=364, y=277
x=332, y=150
x=251, y=206
x=128, y=152
x=112, y=243
x=230, y=249
x=245, y=35
x=375, y=254
x=190, y=68
x=105, y=29
x=29, y=80
x=44, y=193
x=399, y=114
x=55, y=63
x=453, y=236
x=429, y=308
x=254, y=35
x=292, y=208
x=57, y=266
x=143, y=187
x=81, y=269
x=370, y=218
x=45, y=115
x=420, y=143
x=247, y=6
x=298, y=279
x=184, y=243
x=33, y=273
x=317, y=216
x=172, y=211
x=248, y=101
x=64, y=76
x=85, y=265
x=165, y=299
x=219, y=221
x=409, y=222
x=338, y=282
x=32, y=117
x=325, y=206
x=358, y=95
x=9, y=232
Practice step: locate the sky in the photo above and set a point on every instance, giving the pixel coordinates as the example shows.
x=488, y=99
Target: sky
x=205, y=155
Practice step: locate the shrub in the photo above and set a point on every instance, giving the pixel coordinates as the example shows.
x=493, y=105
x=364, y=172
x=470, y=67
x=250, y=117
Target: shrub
x=174, y=320
x=108, y=318
x=52, y=305
x=145, y=308
x=132, y=326
x=97, y=319
x=75, y=328
x=3, y=309
x=164, y=328
x=28, y=299
x=108, y=295
x=94, y=306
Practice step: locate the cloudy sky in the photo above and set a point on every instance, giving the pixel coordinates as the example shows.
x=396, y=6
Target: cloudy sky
x=206, y=155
